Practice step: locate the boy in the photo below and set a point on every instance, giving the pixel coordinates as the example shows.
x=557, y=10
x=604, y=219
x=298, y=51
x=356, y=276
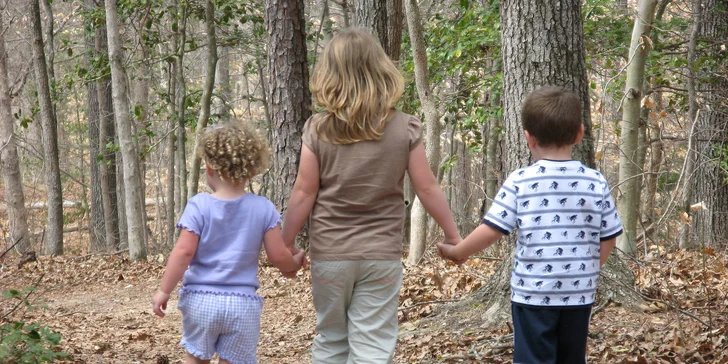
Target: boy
x=567, y=226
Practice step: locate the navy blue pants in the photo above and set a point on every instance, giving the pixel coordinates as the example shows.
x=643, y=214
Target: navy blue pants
x=550, y=335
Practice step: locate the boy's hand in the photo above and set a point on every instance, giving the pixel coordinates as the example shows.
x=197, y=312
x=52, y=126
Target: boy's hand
x=448, y=251
x=159, y=303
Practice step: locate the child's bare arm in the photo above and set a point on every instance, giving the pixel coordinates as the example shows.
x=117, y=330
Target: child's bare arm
x=482, y=237
x=278, y=254
x=606, y=247
x=179, y=260
x=302, y=197
x=430, y=194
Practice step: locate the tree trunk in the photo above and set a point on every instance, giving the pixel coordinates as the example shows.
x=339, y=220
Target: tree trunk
x=691, y=156
x=205, y=103
x=710, y=226
x=222, y=79
x=289, y=96
x=656, y=152
x=133, y=187
x=170, y=212
x=54, y=230
x=395, y=24
x=372, y=14
x=418, y=227
x=12, y=178
x=491, y=168
x=97, y=228
x=107, y=139
x=181, y=108
x=627, y=202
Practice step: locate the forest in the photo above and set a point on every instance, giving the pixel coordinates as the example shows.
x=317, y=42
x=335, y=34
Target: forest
x=103, y=103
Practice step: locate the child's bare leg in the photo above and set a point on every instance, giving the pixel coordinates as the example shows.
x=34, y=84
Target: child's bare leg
x=192, y=360
x=223, y=361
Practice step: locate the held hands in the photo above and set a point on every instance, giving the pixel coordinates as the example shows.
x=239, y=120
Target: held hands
x=447, y=250
x=159, y=302
x=299, y=256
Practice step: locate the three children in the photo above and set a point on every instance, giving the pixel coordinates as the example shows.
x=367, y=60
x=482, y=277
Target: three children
x=350, y=183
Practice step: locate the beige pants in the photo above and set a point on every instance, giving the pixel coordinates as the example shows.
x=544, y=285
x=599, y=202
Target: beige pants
x=356, y=310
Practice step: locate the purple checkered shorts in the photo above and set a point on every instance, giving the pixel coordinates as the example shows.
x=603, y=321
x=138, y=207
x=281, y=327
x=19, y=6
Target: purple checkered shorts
x=226, y=324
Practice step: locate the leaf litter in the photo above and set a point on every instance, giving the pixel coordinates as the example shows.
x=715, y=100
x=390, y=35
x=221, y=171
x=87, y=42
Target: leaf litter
x=101, y=305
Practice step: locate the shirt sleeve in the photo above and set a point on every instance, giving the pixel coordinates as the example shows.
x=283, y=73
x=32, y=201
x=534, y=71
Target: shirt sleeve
x=611, y=226
x=502, y=214
x=414, y=129
x=310, y=138
x=192, y=218
x=273, y=217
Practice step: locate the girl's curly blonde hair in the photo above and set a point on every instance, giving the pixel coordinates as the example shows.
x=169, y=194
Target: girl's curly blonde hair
x=235, y=150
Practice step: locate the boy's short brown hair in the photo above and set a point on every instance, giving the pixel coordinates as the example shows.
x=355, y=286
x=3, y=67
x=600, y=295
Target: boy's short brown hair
x=552, y=115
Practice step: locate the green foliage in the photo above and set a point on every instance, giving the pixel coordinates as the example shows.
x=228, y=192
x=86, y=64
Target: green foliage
x=463, y=48
x=22, y=342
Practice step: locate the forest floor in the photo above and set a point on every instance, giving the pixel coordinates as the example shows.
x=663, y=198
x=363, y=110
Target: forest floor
x=101, y=305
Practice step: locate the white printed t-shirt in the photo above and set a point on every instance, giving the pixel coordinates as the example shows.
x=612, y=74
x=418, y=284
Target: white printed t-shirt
x=562, y=210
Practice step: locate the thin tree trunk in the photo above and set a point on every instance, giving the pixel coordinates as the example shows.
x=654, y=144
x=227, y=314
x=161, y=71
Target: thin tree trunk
x=107, y=138
x=205, y=103
x=181, y=109
x=289, y=96
x=222, y=79
x=656, y=152
x=172, y=124
x=132, y=181
x=691, y=155
x=491, y=168
x=97, y=228
x=627, y=202
x=418, y=228
x=54, y=230
x=12, y=178
x=395, y=24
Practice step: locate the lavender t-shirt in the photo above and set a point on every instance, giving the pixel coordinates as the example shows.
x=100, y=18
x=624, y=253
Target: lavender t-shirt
x=231, y=233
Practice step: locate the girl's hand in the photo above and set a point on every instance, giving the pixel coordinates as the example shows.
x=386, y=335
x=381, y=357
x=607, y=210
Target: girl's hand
x=159, y=303
x=300, y=258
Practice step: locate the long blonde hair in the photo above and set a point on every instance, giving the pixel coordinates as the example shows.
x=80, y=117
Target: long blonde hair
x=357, y=86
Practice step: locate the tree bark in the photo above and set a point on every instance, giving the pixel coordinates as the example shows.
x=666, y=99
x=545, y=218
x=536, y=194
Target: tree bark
x=205, y=103
x=107, y=138
x=171, y=160
x=133, y=187
x=54, y=230
x=710, y=226
x=418, y=227
x=691, y=156
x=372, y=14
x=12, y=177
x=289, y=96
x=97, y=228
x=627, y=202
x=181, y=106
x=395, y=24
x=222, y=79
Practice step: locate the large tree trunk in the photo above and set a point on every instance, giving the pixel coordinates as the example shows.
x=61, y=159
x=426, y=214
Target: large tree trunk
x=54, y=230
x=552, y=32
x=289, y=96
x=133, y=187
x=372, y=14
x=710, y=226
x=418, y=224
x=206, y=95
x=627, y=202
x=691, y=156
x=97, y=228
x=12, y=178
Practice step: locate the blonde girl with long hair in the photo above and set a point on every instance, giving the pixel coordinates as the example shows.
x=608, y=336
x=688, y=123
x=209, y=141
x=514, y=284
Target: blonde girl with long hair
x=351, y=184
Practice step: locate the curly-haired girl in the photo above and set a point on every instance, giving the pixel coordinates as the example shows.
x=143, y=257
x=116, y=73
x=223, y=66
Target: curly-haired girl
x=220, y=240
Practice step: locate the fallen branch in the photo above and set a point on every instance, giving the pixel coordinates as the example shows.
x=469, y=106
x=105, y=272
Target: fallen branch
x=426, y=303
